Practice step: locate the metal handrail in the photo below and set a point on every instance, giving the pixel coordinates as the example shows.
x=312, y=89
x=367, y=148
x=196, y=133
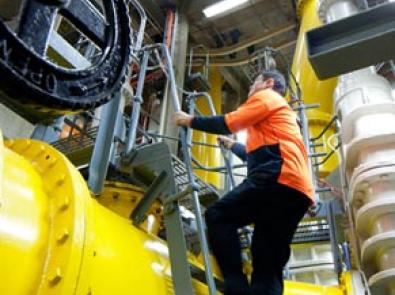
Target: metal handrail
x=155, y=135
x=188, y=163
x=319, y=136
x=333, y=120
x=143, y=22
x=215, y=169
x=192, y=96
x=137, y=101
x=167, y=68
x=196, y=95
x=301, y=108
x=327, y=156
x=222, y=172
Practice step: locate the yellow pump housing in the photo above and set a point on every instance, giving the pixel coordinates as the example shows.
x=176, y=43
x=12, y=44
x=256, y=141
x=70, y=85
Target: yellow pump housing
x=56, y=239
x=314, y=90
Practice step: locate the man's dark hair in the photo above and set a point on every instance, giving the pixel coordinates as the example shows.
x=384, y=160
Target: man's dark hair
x=280, y=84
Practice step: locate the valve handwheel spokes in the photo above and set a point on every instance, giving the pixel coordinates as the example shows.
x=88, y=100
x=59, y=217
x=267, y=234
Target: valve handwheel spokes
x=40, y=90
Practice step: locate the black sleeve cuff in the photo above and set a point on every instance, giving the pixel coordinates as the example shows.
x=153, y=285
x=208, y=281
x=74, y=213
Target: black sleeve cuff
x=211, y=124
x=239, y=150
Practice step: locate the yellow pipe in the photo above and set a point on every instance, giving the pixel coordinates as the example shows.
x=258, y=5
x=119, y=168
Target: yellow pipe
x=314, y=90
x=56, y=239
x=122, y=198
x=206, y=155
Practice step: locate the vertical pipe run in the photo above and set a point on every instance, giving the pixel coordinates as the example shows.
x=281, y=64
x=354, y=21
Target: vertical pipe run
x=169, y=28
x=312, y=89
x=137, y=101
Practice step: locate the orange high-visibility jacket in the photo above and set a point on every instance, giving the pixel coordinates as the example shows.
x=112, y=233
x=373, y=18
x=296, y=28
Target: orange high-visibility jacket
x=275, y=151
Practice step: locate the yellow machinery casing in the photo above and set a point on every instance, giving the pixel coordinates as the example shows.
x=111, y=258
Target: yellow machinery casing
x=314, y=90
x=56, y=239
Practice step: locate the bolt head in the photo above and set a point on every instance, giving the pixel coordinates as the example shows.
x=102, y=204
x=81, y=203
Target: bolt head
x=63, y=236
x=55, y=277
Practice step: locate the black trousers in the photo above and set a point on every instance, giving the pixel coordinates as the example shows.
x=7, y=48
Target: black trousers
x=275, y=210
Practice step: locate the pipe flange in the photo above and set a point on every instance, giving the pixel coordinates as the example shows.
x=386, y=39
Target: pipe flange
x=370, y=212
x=366, y=174
x=380, y=243
x=380, y=281
x=68, y=196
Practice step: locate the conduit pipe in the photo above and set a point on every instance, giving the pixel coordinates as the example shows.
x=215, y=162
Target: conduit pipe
x=366, y=108
x=244, y=60
x=244, y=44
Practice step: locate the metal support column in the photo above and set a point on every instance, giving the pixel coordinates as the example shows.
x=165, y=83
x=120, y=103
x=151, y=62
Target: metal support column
x=104, y=142
x=109, y=116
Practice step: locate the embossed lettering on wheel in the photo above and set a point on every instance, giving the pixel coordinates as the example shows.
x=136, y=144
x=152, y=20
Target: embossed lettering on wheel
x=39, y=89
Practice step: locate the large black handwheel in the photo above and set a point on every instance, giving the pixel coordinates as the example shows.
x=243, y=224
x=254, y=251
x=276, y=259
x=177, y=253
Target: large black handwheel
x=40, y=90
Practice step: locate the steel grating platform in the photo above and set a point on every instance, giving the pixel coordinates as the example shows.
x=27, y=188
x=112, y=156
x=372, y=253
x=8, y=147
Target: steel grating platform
x=312, y=231
x=78, y=148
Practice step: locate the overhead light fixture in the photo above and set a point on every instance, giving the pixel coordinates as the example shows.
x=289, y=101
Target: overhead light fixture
x=222, y=6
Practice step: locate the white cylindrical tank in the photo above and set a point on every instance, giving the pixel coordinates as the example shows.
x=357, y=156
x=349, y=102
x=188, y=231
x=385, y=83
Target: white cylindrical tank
x=366, y=108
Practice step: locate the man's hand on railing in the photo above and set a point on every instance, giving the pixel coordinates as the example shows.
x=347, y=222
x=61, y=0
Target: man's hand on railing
x=182, y=119
x=226, y=141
